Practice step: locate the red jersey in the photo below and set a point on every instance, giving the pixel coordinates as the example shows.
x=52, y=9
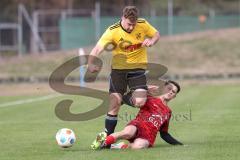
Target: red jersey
x=151, y=118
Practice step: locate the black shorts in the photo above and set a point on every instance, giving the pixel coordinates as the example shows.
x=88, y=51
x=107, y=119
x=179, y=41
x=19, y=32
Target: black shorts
x=120, y=79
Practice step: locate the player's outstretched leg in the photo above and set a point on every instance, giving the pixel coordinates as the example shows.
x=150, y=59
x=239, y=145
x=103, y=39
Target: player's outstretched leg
x=98, y=142
x=110, y=141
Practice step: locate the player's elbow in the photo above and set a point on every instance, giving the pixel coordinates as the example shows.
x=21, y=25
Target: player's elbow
x=96, y=50
x=157, y=36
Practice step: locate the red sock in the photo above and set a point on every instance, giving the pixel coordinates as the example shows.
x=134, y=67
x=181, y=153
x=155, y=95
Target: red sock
x=110, y=140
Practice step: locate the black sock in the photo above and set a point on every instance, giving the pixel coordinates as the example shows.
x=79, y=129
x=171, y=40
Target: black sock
x=127, y=99
x=110, y=123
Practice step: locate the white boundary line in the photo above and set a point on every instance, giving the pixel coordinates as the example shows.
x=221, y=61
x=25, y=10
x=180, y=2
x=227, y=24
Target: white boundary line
x=19, y=102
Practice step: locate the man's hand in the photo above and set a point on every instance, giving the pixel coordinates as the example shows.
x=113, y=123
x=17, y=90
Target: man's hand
x=153, y=89
x=94, y=53
x=147, y=42
x=93, y=68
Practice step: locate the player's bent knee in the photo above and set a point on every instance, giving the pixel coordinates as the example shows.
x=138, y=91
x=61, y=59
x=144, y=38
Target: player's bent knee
x=139, y=97
x=116, y=98
x=139, y=101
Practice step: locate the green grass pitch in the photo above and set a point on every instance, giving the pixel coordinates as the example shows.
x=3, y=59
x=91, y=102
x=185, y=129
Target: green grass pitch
x=206, y=119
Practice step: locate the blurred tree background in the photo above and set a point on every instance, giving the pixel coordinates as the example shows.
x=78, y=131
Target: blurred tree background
x=8, y=8
x=54, y=31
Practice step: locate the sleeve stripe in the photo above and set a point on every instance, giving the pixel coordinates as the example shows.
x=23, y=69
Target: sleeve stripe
x=115, y=26
x=141, y=21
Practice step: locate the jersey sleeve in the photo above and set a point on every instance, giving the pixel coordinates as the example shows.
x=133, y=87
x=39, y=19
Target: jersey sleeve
x=164, y=127
x=106, y=38
x=150, y=30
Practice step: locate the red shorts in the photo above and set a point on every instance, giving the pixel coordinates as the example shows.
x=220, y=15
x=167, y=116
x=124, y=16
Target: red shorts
x=144, y=131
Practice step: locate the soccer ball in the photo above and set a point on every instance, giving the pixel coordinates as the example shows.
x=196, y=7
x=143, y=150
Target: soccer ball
x=65, y=137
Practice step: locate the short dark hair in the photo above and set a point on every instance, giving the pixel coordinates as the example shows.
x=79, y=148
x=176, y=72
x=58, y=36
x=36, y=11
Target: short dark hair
x=131, y=13
x=175, y=84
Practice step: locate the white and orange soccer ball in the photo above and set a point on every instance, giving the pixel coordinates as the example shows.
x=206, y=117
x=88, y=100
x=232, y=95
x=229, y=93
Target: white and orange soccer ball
x=65, y=137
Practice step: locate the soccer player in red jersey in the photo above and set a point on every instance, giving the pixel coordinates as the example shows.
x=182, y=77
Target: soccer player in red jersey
x=141, y=132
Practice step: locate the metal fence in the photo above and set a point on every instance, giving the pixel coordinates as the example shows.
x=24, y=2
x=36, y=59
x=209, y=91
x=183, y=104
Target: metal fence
x=36, y=33
x=47, y=25
x=9, y=37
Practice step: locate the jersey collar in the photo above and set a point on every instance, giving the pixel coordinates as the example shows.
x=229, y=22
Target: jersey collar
x=122, y=27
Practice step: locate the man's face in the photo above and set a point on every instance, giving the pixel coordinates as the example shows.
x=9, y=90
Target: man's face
x=127, y=24
x=169, y=91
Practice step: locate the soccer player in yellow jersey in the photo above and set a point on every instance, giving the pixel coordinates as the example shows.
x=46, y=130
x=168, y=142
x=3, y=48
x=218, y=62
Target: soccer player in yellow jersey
x=129, y=38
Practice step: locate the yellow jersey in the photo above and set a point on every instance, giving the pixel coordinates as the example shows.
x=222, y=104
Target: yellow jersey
x=126, y=47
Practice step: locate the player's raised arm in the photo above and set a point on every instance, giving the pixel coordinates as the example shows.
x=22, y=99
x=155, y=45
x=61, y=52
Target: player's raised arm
x=155, y=38
x=104, y=40
x=152, y=35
